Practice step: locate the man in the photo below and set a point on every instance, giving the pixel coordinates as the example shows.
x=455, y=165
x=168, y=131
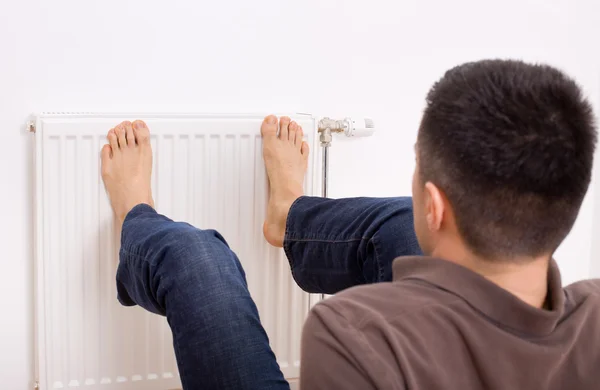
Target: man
x=504, y=159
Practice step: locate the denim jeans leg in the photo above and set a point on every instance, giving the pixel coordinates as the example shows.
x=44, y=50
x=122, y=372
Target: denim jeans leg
x=334, y=244
x=194, y=279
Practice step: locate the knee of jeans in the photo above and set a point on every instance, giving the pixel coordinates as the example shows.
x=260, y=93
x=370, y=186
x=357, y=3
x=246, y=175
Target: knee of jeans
x=201, y=255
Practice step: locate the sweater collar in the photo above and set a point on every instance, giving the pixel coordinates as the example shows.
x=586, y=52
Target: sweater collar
x=485, y=296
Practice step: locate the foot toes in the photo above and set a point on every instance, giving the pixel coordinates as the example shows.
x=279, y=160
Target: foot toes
x=284, y=123
x=121, y=135
x=141, y=132
x=105, y=155
x=304, y=149
x=293, y=129
x=113, y=140
x=299, y=137
x=130, y=137
x=269, y=127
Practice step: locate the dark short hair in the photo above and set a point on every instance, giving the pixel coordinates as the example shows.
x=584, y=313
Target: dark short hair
x=511, y=145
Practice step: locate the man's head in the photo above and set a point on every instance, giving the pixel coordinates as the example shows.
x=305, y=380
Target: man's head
x=504, y=159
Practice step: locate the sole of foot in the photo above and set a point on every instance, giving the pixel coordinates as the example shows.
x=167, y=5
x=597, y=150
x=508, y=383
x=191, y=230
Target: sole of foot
x=127, y=167
x=286, y=159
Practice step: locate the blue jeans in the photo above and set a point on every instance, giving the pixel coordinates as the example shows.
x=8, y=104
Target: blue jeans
x=194, y=279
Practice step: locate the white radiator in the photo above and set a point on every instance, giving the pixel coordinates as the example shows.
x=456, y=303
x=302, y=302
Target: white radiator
x=208, y=171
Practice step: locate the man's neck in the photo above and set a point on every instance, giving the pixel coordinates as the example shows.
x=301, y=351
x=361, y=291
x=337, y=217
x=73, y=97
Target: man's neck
x=527, y=279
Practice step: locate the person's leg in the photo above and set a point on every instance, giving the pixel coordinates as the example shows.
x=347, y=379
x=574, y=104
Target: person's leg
x=189, y=275
x=331, y=244
x=336, y=244
x=193, y=278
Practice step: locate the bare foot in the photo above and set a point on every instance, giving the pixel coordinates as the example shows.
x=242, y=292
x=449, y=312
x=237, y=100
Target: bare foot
x=286, y=159
x=127, y=167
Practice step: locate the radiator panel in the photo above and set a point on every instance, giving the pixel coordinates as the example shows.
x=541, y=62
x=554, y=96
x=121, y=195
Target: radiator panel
x=208, y=171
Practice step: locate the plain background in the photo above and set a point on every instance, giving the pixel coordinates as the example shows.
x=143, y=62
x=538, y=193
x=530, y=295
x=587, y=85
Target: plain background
x=336, y=58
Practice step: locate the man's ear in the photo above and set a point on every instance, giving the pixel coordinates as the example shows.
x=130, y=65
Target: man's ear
x=434, y=206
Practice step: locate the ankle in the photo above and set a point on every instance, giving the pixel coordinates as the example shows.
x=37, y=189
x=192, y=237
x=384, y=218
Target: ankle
x=275, y=225
x=281, y=206
x=285, y=195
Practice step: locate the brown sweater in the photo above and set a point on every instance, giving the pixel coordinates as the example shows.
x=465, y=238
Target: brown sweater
x=441, y=326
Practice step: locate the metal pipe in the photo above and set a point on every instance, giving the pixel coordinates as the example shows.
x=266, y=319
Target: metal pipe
x=325, y=170
x=325, y=138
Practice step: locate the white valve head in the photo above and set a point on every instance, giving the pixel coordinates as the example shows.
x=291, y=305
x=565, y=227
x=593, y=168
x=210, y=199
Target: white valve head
x=362, y=127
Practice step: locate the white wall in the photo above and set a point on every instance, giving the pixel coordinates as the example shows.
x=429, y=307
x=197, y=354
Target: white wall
x=328, y=57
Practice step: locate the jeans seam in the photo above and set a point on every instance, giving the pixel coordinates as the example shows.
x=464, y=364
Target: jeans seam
x=286, y=250
x=377, y=261
x=288, y=255
x=288, y=218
